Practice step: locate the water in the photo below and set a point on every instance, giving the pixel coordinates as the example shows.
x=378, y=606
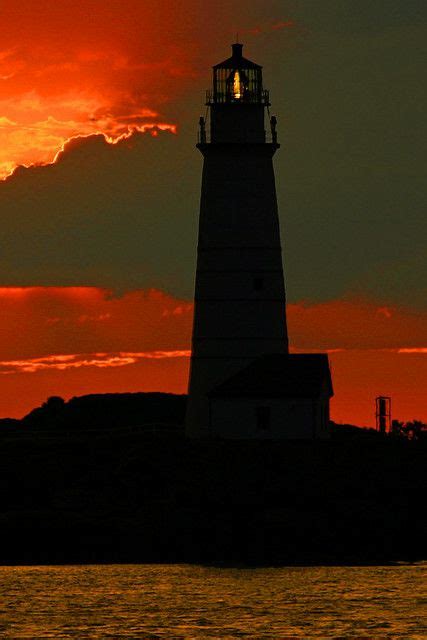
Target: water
x=147, y=601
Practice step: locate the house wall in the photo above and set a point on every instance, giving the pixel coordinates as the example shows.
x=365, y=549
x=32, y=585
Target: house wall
x=236, y=418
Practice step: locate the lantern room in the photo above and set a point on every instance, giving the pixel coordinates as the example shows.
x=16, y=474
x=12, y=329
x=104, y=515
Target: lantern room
x=236, y=103
x=237, y=80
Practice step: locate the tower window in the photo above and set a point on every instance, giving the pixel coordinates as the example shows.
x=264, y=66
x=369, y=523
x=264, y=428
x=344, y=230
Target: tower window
x=263, y=418
x=258, y=283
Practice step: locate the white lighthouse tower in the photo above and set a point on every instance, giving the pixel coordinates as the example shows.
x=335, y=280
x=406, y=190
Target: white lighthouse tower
x=239, y=312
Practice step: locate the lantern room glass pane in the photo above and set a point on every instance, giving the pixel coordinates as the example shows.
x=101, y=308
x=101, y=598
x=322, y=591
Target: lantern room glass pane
x=238, y=85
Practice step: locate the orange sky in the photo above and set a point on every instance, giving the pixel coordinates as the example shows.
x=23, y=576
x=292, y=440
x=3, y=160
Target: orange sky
x=74, y=69
x=75, y=340
x=70, y=68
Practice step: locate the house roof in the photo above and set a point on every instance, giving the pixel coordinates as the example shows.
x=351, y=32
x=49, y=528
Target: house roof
x=302, y=375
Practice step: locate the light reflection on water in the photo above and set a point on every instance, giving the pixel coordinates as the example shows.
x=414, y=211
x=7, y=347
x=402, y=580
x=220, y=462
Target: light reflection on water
x=181, y=601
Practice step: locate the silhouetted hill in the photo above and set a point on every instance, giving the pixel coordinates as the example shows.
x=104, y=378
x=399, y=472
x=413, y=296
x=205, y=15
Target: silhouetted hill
x=352, y=432
x=9, y=422
x=109, y=410
x=116, y=410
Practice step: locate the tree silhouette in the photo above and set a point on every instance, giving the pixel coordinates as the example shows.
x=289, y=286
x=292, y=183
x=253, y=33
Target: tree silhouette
x=411, y=430
x=54, y=403
x=414, y=429
x=397, y=428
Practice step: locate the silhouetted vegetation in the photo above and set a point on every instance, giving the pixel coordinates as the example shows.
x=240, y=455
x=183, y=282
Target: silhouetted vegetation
x=117, y=495
x=412, y=430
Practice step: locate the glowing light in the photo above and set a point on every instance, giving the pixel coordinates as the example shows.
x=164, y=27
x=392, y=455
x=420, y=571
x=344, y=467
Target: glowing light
x=237, y=86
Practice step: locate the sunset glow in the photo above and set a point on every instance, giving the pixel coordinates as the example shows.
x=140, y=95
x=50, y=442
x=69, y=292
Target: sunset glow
x=74, y=340
x=75, y=69
x=59, y=81
x=76, y=361
x=41, y=143
x=112, y=211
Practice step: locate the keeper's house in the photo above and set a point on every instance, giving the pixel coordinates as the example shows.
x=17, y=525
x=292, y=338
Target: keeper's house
x=278, y=396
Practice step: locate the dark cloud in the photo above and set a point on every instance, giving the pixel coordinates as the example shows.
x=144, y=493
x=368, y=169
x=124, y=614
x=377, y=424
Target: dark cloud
x=121, y=216
x=359, y=16
x=352, y=166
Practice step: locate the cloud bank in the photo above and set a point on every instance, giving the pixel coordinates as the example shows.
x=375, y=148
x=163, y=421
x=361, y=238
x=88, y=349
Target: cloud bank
x=124, y=216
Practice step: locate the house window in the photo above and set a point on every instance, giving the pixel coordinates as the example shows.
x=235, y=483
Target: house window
x=263, y=418
x=258, y=283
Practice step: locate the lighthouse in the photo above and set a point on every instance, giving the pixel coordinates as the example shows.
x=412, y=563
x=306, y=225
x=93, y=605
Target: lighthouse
x=239, y=304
